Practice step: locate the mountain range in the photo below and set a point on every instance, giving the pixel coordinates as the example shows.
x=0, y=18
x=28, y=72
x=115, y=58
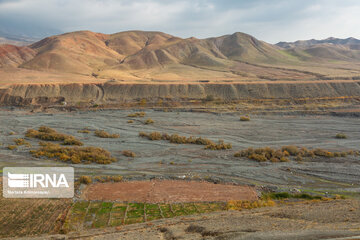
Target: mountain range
x=140, y=56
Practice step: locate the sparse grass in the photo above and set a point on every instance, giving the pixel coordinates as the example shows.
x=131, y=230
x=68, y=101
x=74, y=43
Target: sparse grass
x=306, y=196
x=74, y=155
x=240, y=205
x=137, y=114
x=244, y=118
x=340, y=136
x=128, y=153
x=103, y=134
x=149, y=121
x=49, y=134
x=175, y=138
x=85, y=179
x=284, y=154
x=85, y=130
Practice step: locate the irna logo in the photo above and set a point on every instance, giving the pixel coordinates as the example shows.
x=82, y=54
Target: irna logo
x=37, y=180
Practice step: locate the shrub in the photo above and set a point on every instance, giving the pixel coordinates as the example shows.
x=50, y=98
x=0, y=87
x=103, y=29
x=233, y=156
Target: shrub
x=149, y=121
x=103, y=179
x=12, y=147
x=103, y=134
x=85, y=179
x=240, y=205
x=21, y=141
x=74, y=155
x=49, y=134
x=292, y=150
x=130, y=121
x=244, y=118
x=128, y=153
x=137, y=114
x=209, y=98
x=341, y=136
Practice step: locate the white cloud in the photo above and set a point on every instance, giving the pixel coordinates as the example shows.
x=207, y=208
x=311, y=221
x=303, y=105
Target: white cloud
x=272, y=21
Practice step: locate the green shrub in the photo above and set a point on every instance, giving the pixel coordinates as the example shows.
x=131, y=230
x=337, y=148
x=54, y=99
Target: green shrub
x=341, y=136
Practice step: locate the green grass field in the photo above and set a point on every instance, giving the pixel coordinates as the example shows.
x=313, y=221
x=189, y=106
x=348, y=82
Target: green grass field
x=86, y=215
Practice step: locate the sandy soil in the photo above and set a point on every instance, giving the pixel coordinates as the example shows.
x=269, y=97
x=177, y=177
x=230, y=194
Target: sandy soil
x=167, y=192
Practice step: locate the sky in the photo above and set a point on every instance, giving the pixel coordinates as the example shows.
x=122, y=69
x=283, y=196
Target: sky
x=268, y=20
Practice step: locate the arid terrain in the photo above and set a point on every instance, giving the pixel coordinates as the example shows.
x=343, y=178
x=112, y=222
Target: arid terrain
x=226, y=137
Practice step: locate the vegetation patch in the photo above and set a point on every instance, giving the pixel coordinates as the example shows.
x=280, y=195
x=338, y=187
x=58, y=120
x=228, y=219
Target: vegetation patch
x=240, y=205
x=74, y=154
x=244, y=118
x=137, y=114
x=340, y=136
x=49, y=134
x=306, y=196
x=103, y=134
x=128, y=153
x=21, y=142
x=149, y=121
x=285, y=153
x=175, y=138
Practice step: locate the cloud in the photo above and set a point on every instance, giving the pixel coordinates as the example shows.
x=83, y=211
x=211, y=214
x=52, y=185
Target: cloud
x=272, y=21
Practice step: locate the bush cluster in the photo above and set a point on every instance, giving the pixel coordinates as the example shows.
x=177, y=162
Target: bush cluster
x=283, y=154
x=73, y=154
x=103, y=179
x=175, y=138
x=137, y=114
x=49, y=134
x=103, y=134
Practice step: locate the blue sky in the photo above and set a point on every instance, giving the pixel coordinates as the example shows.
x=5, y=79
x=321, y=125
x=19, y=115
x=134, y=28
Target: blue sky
x=268, y=20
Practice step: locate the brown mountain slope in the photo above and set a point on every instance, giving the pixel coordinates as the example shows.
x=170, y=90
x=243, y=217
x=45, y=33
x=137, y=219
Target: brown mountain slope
x=159, y=57
x=13, y=56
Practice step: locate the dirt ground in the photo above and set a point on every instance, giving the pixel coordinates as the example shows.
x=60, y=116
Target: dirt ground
x=167, y=192
x=297, y=221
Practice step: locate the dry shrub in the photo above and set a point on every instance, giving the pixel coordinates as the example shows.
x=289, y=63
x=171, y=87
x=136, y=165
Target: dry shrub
x=137, y=114
x=240, y=205
x=244, y=118
x=283, y=154
x=175, y=138
x=130, y=121
x=21, y=141
x=103, y=179
x=12, y=147
x=85, y=179
x=103, y=134
x=74, y=154
x=49, y=134
x=149, y=121
x=128, y=153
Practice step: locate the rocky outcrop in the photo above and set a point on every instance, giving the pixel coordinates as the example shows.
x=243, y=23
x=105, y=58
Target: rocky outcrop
x=25, y=94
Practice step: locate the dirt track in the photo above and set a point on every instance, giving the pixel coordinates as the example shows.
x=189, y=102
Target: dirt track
x=168, y=191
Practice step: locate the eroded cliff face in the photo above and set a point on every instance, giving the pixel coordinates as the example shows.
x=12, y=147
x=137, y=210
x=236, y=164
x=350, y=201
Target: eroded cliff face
x=27, y=94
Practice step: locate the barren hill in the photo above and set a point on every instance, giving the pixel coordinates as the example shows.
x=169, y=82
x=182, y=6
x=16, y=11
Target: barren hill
x=139, y=57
